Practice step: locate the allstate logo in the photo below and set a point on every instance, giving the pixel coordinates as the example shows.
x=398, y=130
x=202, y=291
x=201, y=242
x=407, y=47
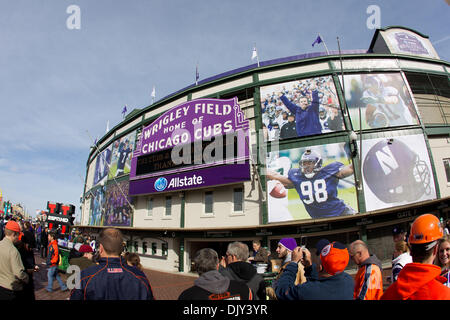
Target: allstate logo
x=160, y=184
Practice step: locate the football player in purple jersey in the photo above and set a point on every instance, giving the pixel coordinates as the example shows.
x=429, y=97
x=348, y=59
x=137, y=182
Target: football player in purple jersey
x=317, y=185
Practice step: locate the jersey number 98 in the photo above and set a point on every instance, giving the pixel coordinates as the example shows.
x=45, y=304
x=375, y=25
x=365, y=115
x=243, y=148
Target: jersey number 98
x=314, y=191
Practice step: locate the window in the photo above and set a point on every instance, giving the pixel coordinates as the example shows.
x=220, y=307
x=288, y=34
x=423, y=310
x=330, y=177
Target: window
x=447, y=169
x=144, y=247
x=209, y=201
x=154, y=248
x=432, y=94
x=150, y=207
x=243, y=94
x=238, y=199
x=164, y=248
x=168, y=206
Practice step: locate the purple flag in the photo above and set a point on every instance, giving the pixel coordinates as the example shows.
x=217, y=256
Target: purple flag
x=318, y=40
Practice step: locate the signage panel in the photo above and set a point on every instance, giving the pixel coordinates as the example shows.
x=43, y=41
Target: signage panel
x=197, y=135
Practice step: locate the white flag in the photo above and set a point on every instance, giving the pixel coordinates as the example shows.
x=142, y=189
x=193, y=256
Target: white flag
x=254, y=54
x=153, y=92
x=107, y=127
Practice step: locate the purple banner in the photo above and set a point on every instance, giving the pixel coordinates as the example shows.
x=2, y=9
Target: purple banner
x=410, y=43
x=192, y=121
x=218, y=175
x=191, y=137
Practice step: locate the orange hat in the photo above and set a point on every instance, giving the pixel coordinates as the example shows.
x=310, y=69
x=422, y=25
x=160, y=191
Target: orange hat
x=334, y=257
x=13, y=226
x=426, y=228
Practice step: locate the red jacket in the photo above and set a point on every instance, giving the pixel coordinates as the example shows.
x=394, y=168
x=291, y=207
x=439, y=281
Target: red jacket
x=53, y=254
x=418, y=281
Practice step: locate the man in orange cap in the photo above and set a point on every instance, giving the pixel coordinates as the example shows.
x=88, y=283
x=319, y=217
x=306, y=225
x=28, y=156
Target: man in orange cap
x=421, y=280
x=332, y=283
x=12, y=271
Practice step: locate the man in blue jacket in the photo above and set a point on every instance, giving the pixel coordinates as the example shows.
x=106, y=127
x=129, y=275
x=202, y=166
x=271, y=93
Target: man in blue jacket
x=112, y=278
x=331, y=284
x=307, y=120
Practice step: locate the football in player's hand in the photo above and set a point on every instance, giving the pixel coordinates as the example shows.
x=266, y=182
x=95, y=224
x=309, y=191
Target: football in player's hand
x=278, y=191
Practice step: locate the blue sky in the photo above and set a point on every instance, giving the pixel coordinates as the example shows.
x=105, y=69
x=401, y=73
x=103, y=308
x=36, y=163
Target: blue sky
x=57, y=84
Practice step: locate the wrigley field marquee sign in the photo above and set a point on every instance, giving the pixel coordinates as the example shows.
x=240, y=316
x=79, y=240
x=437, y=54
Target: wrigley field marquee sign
x=199, y=143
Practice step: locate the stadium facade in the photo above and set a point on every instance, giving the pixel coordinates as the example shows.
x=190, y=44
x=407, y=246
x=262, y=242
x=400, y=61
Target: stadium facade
x=333, y=145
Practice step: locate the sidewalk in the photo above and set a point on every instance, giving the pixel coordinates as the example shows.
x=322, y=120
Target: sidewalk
x=165, y=286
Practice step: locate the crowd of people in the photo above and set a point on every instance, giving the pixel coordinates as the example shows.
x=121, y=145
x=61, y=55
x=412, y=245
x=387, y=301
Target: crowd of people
x=420, y=267
x=20, y=240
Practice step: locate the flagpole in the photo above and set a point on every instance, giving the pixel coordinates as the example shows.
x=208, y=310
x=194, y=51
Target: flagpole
x=196, y=75
x=342, y=76
x=328, y=53
x=257, y=57
x=358, y=183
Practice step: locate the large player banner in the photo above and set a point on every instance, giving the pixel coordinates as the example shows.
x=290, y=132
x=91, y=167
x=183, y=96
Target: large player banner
x=300, y=108
x=102, y=166
x=97, y=206
x=396, y=171
x=122, y=150
x=383, y=98
x=118, y=211
x=313, y=182
x=111, y=205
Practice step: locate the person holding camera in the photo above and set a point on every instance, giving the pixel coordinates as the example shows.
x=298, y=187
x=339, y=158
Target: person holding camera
x=331, y=283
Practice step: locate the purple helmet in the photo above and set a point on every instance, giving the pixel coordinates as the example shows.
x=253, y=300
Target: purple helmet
x=310, y=156
x=395, y=173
